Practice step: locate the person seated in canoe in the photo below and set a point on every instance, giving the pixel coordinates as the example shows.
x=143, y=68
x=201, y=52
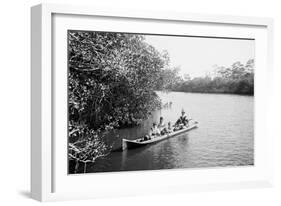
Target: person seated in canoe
x=154, y=131
x=162, y=126
x=145, y=138
x=169, y=128
x=182, y=122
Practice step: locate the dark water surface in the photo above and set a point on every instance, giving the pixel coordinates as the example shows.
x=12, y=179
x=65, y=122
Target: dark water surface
x=225, y=136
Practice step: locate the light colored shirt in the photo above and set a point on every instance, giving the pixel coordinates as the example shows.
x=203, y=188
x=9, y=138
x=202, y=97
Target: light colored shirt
x=154, y=131
x=161, y=125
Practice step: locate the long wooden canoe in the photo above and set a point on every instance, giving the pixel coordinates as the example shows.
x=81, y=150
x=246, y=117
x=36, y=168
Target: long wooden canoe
x=130, y=144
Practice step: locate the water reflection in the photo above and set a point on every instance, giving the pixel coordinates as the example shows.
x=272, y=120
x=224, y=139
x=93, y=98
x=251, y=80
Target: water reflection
x=224, y=137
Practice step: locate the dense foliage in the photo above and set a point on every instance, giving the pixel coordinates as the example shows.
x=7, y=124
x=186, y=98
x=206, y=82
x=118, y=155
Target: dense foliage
x=236, y=79
x=112, y=78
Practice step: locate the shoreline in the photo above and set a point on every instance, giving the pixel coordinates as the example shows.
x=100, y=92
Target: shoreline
x=165, y=91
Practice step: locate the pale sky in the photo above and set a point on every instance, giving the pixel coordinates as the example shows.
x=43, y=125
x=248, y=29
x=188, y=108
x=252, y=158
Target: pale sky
x=197, y=56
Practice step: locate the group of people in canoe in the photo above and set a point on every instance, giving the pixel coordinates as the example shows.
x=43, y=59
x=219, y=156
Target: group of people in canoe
x=161, y=128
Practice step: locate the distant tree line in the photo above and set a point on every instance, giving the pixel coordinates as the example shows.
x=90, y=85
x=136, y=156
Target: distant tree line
x=236, y=79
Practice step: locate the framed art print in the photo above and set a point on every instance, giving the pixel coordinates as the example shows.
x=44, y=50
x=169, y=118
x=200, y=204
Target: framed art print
x=153, y=102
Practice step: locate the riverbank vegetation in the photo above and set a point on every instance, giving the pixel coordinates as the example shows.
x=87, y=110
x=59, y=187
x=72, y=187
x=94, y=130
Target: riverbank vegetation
x=111, y=84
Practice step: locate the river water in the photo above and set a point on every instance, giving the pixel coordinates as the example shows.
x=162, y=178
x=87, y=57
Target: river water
x=225, y=136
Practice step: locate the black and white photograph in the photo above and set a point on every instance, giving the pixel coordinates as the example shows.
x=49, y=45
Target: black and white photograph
x=155, y=101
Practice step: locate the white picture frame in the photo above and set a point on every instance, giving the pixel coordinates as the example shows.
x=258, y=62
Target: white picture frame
x=49, y=181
